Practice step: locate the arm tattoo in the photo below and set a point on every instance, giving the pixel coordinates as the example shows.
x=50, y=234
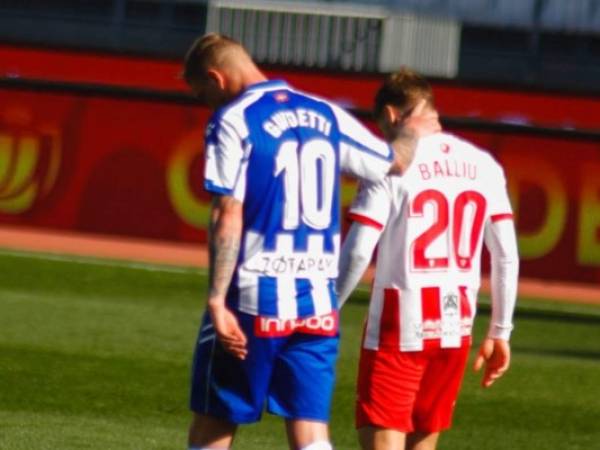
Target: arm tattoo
x=224, y=246
x=224, y=252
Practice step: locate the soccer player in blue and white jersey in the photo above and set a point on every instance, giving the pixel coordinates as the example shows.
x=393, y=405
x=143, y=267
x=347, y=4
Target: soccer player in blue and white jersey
x=273, y=162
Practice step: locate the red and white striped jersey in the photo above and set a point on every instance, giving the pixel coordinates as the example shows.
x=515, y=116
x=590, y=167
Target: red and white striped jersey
x=428, y=263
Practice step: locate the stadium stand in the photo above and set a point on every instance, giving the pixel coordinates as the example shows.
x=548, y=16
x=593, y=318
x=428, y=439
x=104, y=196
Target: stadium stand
x=545, y=43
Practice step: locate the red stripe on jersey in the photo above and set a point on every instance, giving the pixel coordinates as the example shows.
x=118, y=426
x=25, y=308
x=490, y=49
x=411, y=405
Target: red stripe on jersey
x=432, y=312
x=497, y=217
x=389, y=324
x=430, y=303
x=365, y=220
x=465, y=306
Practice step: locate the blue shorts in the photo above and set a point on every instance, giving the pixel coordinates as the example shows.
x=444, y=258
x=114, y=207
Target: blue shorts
x=293, y=374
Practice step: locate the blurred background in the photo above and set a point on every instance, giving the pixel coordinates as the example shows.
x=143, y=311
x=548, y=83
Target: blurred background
x=97, y=133
x=101, y=166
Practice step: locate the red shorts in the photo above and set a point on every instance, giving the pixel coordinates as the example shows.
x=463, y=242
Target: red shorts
x=409, y=391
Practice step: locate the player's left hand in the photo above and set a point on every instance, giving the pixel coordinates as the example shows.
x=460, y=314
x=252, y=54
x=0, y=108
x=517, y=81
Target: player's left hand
x=414, y=124
x=421, y=121
x=495, y=353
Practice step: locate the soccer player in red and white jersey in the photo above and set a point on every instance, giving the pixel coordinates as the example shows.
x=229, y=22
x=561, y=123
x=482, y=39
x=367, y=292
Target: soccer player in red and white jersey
x=430, y=225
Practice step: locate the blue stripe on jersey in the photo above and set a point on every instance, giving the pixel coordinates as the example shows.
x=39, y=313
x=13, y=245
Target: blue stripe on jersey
x=362, y=148
x=267, y=295
x=304, y=297
x=333, y=294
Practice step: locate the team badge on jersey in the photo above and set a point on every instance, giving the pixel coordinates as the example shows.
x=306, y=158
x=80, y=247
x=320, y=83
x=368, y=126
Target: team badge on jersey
x=281, y=97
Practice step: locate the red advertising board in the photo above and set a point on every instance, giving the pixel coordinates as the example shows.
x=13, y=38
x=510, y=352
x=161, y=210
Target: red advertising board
x=134, y=168
x=357, y=90
x=102, y=165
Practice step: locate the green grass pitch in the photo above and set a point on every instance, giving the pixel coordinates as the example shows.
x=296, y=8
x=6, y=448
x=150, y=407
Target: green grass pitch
x=96, y=355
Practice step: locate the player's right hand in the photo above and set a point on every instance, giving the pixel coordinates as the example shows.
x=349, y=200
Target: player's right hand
x=228, y=330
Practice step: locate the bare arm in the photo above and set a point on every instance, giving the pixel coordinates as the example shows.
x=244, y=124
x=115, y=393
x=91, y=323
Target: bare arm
x=224, y=245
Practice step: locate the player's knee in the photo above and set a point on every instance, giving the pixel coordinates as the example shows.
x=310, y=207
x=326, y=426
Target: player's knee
x=318, y=445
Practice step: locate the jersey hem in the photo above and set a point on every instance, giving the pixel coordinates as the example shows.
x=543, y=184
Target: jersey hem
x=428, y=344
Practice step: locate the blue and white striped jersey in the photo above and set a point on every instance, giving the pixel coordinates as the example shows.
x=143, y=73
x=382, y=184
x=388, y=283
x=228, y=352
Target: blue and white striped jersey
x=280, y=152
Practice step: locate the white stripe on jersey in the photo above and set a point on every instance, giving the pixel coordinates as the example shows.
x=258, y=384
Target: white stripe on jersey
x=235, y=114
x=247, y=280
x=286, y=283
x=320, y=292
x=410, y=317
x=374, y=319
x=225, y=155
x=450, y=321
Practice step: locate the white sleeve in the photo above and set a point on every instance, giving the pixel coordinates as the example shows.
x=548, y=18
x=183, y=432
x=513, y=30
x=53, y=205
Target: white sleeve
x=362, y=154
x=372, y=204
x=225, y=159
x=355, y=257
x=498, y=201
x=501, y=241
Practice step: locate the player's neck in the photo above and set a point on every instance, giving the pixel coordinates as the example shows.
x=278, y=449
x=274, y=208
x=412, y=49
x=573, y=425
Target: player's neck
x=253, y=76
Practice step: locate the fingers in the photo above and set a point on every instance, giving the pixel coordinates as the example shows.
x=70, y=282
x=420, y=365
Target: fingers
x=418, y=110
x=235, y=347
x=491, y=375
x=478, y=364
x=421, y=121
x=230, y=335
x=495, y=366
x=234, y=341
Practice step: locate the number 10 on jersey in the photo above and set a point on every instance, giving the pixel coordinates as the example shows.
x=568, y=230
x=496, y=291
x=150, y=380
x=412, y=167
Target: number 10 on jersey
x=309, y=182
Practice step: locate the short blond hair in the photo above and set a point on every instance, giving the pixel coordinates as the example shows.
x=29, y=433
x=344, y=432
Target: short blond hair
x=205, y=53
x=402, y=89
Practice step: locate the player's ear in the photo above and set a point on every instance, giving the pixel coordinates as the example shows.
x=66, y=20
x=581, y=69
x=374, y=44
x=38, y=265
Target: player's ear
x=391, y=115
x=217, y=77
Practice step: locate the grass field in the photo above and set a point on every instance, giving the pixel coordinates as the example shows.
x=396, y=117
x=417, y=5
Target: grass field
x=95, y=355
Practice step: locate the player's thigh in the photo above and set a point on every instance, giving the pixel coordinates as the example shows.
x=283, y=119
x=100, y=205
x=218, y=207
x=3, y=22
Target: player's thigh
x=303, y=377
x=226, y=387
x=387, y=387
x=434, y=406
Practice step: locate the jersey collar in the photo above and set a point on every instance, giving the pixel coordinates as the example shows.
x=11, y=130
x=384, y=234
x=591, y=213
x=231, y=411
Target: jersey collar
x=269, y=85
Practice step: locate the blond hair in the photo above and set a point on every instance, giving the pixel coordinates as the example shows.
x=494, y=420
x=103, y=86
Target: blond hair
x=208, y=51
